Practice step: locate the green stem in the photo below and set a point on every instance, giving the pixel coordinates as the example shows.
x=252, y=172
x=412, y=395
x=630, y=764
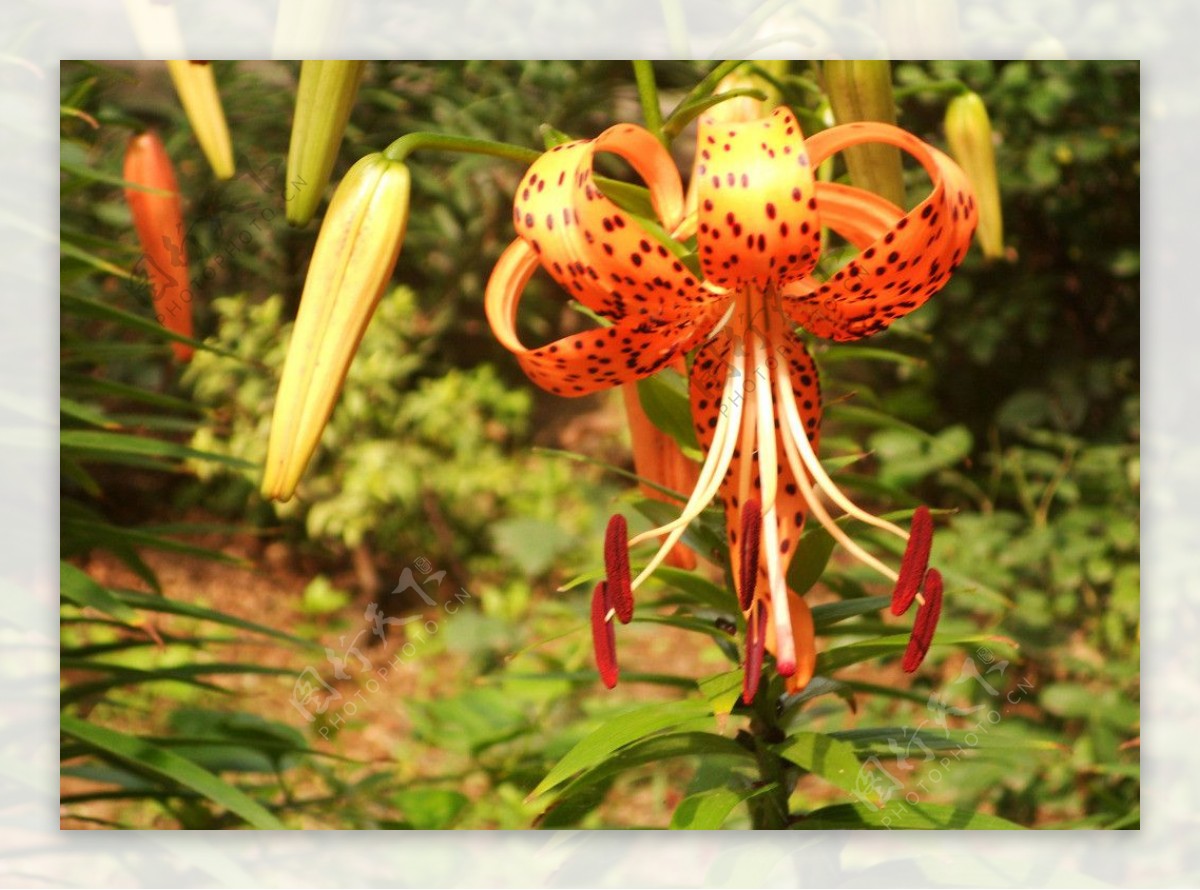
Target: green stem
x=410, y=142
x=633, y=198
x=643, y=73
x=770, y=810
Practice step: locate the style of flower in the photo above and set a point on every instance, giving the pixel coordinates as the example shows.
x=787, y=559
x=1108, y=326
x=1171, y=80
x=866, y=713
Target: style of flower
x=755, y=396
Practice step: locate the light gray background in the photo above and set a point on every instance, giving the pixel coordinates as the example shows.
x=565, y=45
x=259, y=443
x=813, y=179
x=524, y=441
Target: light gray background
x=35, y=35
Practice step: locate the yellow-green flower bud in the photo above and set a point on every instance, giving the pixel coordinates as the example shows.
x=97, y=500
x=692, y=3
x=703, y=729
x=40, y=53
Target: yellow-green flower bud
x=352, y=263
x=197, y=89
x=861, y=90
x=969, y=132
x=323, y=102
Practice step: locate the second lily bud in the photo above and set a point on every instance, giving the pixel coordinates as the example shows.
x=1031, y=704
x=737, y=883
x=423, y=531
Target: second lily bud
x=969, y=132
x=355, y=254
x=323, y=102
x=861, y=90
x=197, y=90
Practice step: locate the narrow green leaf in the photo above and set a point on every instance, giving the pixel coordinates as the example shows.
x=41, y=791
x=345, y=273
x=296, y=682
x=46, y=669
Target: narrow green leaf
x=85, y=413
x=655, y=749
x=841, y=656
x=85, y=384
x=628, y=726
x=102, y=442
x=98, y=263
x=828, y=614
x=119, y=675
x=105, y=533
x=176, y=607
x=706, y=86
x=76, y=586
x=681, y=117
x=665, y=400
x=97, y=309
x=722, y=690
x=824, y=756
x=900, y=815
x=143, y=755
x=812, y=555
x=708, y=810
x=697, y=588
x=873, y=418
x=943, y=739
x=841, y=353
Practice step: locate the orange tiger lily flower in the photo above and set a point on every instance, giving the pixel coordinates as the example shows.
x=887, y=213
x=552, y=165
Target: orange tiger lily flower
x=755, y=396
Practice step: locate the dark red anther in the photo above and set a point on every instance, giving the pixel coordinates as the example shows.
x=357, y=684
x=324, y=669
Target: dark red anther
x=604, y=639
x=756, y=642
x=915, y=561
x=751, y=536
x=926, y=623
x=616, y=567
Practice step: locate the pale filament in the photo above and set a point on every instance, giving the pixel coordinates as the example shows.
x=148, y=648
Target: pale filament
x=768, y=473
x=794, y=433
x=827, y=484
x=712, y=473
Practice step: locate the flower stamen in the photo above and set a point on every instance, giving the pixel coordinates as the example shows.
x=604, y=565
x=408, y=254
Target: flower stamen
x=752, y=521
x=914, y=562
x=616, y=567
x=604, y=640
x=926, y=623
x=756, y=643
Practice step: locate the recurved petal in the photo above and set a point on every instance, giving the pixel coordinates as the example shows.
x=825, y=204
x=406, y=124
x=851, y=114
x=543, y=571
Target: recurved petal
x=907, y=263
x=599, y=253
x=859, y=216
x=633, y=348
x=756, y=205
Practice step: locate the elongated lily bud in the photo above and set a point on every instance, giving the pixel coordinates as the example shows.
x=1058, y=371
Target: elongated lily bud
x=969, y=132
x=158, y=219
x=197, y=90
x=352, y=262
x=861, y=90
x=323, y=102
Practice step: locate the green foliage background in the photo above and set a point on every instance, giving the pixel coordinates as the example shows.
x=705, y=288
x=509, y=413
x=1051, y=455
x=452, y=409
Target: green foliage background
x=1011, y=399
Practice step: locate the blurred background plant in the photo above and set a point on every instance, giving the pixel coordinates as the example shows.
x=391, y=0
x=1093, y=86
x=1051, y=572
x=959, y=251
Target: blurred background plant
x=1011, y=399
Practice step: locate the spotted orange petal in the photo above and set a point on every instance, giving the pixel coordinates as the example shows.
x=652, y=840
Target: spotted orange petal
x=633, y=348
x=906, y=264
x=600, y=254
x=756, y=202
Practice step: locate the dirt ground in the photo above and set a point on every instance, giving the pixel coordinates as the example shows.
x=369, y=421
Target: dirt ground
x=266, y=586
